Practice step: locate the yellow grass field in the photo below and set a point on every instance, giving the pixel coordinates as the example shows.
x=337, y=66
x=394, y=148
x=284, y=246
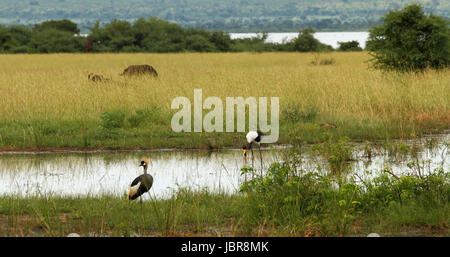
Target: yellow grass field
x=48, y=102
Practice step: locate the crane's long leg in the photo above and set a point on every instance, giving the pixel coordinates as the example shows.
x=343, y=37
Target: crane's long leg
x=245, y=164
x=253, y=160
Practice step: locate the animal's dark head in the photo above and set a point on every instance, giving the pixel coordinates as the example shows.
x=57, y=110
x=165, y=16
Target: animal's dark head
x=144, y=162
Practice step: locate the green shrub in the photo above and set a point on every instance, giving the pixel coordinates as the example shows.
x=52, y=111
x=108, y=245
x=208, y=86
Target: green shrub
x=283, y=195
x=410, y=41
x=289, y=196
x=337, y=153
x=349, y=46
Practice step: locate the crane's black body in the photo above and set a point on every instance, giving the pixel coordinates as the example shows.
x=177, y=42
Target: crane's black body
x=146, y=183
x=143, y=183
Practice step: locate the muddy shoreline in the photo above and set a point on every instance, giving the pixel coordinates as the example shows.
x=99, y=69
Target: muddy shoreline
x=88, y=150
x=55, y=150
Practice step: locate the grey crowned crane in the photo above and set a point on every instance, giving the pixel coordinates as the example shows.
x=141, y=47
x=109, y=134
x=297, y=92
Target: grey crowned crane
x=252, y=137
x=141, y=184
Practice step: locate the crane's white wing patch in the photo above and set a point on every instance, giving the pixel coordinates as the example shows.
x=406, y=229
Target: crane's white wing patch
x=134, y=189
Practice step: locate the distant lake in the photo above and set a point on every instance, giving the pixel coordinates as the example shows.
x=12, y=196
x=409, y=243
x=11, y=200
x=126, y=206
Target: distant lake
x=329, y=38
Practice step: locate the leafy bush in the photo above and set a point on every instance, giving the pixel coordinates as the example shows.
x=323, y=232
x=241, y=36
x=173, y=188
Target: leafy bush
x=283, y=195
x=338, y=154
x=288, y=195
x=349, y=46
x=410, y=41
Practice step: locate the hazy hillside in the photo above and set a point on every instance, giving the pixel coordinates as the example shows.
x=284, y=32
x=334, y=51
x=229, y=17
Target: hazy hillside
x=231, y=15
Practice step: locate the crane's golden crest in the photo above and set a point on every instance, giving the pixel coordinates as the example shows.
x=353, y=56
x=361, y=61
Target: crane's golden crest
x=145, y=160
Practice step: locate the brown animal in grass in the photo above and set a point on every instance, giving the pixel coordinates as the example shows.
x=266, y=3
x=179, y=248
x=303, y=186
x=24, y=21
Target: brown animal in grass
x=97, y=78
x=328, y=125
x=134, y=70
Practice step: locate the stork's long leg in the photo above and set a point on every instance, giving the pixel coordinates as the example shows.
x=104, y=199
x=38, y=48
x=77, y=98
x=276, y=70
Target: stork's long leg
x=260, y=156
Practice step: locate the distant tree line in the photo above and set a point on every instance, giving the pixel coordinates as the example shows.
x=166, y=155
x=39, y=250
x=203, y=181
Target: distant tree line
x=151, y=35
x=47, y=37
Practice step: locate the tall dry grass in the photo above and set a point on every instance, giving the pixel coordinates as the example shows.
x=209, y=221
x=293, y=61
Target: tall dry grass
x=54, y=89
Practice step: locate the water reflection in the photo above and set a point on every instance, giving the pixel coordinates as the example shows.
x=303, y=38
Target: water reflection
x=29, y=174
x=97, y=173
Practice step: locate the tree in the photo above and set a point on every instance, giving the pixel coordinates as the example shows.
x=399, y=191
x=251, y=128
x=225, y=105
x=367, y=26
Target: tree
x=55, y=41
x=5, y=39
x=349, y=46
x=119, y=34
x=20, y=34
x=410, y=41
x=63, y=25
x=221, y=40
x=18, y=37
x=198, y=43
x=305, y=42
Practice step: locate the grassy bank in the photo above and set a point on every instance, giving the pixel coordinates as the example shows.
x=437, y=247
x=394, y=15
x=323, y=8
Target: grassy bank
x=285, y=202
x=48, y=102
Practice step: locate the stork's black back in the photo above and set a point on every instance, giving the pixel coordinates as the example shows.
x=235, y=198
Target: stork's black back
x=144, y=187
x=258, y=138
